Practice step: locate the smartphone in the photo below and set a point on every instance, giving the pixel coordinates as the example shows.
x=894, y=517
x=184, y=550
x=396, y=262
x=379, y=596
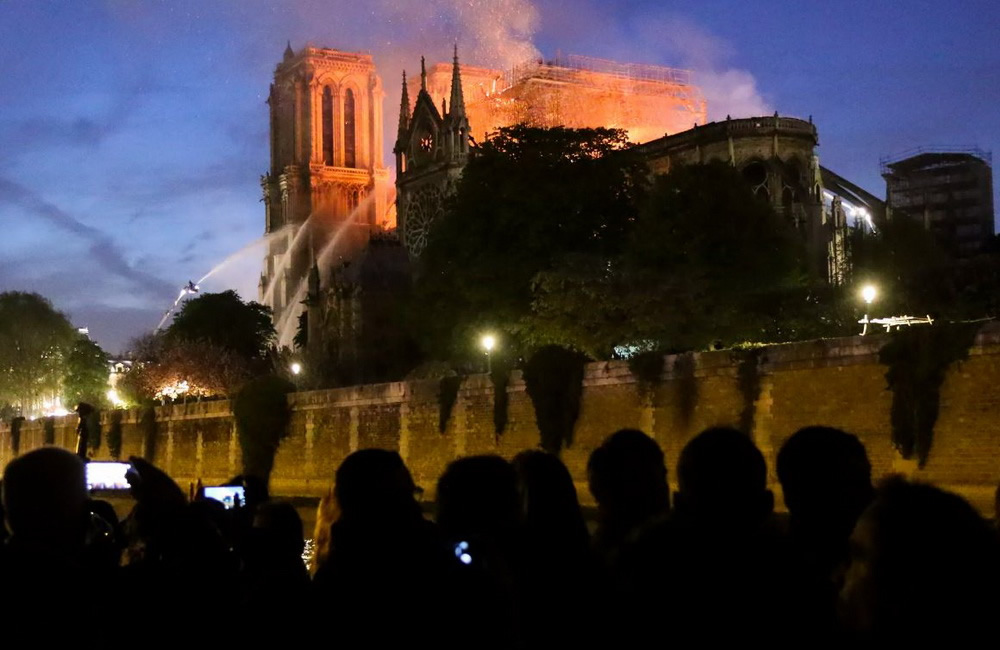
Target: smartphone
x=462, y=553
x=107, y=475
x=231, y=496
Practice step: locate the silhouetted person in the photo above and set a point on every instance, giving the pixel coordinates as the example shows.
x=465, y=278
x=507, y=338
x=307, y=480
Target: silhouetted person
x=159, y=504
x=479, y=512
x=722, y=479
x=104, y=538
x=924, y=569
x=628, y=479
x=713, y=566
x=826, y=480
x=83, y=431
x=550, y=510
x=477, y=497
x=276, y=582
x=558, y=575
x=45, y=501
x=381, y=581
x=174, y=548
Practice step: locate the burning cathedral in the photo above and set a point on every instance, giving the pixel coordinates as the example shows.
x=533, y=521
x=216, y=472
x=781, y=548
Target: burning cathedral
x=339, y=260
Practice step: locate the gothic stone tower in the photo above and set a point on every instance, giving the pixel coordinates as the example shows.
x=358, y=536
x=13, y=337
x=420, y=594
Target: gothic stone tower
x=327, y=188
x=431, y=149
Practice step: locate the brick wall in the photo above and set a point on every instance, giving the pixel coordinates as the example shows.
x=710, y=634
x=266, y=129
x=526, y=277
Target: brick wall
x=836, y=382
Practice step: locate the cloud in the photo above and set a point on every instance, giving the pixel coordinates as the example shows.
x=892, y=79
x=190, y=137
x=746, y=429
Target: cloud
x=102, y=248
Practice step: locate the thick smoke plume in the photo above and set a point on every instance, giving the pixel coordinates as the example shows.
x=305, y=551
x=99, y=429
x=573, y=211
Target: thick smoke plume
x=492, y=33
x=728, y=90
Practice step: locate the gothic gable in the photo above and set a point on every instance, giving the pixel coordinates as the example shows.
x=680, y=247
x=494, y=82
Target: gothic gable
x=425, y=131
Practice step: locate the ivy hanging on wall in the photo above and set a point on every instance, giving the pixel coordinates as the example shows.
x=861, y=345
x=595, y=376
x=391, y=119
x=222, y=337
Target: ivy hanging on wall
x=748, y=381
x=447, y=396
x=918, y=359
x=95, y=430
x=15, y=434
x=262, y=414
x=687, y=387
x=49, y=430
x=647, y=368
x=500, y=378
x=147, y=426
x=553, y=379
x=115, y=434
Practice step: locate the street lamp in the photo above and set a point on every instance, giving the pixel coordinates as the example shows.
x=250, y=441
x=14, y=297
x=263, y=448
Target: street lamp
x=296, y=367
x=868, y=293
x=488, y=342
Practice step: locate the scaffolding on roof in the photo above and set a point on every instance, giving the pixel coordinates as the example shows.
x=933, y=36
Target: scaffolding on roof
x=644, y=78
x=886, y=162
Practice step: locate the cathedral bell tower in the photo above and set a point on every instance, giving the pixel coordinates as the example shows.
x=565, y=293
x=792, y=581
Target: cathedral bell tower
x=327, y=188
x=431, y=149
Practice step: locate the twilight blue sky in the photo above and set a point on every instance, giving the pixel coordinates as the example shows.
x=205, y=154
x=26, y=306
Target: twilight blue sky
x=133, y=133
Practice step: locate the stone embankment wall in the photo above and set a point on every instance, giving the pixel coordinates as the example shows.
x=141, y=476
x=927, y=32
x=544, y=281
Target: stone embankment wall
x=837, y=382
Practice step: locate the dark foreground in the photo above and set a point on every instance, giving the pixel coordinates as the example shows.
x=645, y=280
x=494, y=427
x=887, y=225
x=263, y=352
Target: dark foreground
x=509, y=561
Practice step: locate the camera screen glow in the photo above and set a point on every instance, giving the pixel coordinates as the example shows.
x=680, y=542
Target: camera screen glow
x=107, y=476
x=231, y=496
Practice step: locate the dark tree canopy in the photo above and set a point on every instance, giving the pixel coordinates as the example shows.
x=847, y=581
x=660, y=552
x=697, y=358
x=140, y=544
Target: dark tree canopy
x=702, y=259
x=86, y=378
x=225, y=321
x=527, y=197
x=915, y=274
x=558, y=236
x=35, y=340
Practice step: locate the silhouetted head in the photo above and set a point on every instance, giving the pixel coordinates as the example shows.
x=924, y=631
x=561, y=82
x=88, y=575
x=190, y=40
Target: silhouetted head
x=722, y=478
x=923, y=562
x=477, y=496
x=549, y=505
x=45, y=498
x=280, y=528
x=375, y=485
x=254, y=489
x=628, y=477
x=826, y=479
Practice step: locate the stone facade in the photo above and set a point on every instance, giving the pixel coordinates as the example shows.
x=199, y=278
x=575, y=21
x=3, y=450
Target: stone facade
x=836, y=382
x=777, y=156
x=327, y=173
x=431, y=149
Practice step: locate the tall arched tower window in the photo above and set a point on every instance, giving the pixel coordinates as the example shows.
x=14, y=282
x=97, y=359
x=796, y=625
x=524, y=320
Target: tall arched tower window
x=327, y=120
x=350, y=159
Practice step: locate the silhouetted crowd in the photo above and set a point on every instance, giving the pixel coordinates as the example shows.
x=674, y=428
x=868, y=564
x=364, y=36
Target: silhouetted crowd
x=507, y=560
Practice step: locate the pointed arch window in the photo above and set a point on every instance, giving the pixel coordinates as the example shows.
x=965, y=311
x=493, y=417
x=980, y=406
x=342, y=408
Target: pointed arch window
x=350, y=158
x=327, y=120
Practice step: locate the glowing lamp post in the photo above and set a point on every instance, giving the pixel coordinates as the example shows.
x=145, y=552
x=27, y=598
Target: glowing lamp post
x=868, y=293
x=296, y=368
x=115, y=399
x=488, y=342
